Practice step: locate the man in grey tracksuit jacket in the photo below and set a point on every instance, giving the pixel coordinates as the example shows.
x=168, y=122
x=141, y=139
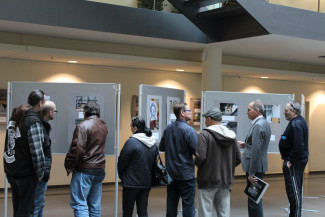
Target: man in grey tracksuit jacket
x=217, y=156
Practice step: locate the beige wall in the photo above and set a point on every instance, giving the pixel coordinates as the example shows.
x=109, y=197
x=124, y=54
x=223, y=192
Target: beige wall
x=12, y=70
x=311, y=5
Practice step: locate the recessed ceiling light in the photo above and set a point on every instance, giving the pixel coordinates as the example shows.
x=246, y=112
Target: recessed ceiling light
x=180, y=70
x=264, y=77
x=72, y=61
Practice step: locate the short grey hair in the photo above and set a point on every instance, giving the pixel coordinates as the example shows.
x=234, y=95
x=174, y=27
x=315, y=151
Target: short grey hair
x=48, y=106
x=258, y=106
x=295, y=106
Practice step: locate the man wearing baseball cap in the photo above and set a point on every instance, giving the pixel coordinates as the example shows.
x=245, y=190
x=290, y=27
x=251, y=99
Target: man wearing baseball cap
x=217, y=155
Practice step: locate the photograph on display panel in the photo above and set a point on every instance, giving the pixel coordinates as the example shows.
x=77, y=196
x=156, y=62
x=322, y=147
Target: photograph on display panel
x=229, y=114
x=171, y=101
x=76, y=109
x=81, y=101
x=153, y=114
x=272, y=113
x=195, y=106
x=229, y=109
x=196, y=112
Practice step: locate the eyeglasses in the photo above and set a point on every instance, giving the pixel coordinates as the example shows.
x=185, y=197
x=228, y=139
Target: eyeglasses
x=187, y=110
x=55, y=111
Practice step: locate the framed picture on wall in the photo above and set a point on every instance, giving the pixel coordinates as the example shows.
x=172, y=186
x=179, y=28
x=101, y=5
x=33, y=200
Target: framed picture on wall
x=195, y=106
x=135, y=106
x=3, y=106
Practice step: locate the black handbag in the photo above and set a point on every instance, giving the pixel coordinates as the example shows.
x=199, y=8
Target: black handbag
x=160, y=176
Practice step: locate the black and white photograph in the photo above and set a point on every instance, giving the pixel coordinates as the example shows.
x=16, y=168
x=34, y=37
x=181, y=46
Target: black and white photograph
x=272, y=113
x=229, y=109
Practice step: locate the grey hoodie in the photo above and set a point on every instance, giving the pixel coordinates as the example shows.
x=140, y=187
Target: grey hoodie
x=217, y=156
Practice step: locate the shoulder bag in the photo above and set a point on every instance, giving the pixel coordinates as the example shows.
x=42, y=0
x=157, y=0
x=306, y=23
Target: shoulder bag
x=160, y=176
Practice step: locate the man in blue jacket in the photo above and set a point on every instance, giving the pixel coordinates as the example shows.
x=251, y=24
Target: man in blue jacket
x=293, y=147
x=179, y=143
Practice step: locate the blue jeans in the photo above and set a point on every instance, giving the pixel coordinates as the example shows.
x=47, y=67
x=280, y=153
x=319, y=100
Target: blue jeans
x=254, y=209
x=41, y=188
x=184, y=189
x=86, y=194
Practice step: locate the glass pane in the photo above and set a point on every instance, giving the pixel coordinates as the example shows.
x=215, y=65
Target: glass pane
x=163, y=5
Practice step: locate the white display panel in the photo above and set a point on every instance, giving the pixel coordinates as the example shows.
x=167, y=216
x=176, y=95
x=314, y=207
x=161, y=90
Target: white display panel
x=234, y=107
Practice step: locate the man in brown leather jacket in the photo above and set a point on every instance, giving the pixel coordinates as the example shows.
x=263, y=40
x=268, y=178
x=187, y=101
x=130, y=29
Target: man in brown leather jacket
x=86, y=161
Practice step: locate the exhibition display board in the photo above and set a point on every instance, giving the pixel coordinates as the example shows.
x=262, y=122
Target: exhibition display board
x=70, y=99
x=234, y=105
x=156, y=107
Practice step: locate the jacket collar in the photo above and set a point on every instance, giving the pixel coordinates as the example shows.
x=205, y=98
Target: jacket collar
x=92, y=117
x=46, y=124
x=181, y=120
x=256, y=119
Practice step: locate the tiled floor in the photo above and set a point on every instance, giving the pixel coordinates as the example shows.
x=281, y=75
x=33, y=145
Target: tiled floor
x=57, y=199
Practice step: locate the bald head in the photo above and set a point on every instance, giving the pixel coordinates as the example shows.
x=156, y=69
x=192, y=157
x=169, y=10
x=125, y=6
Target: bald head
x=48, y=110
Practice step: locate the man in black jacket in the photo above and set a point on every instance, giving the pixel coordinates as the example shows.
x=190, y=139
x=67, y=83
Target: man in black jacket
x=24, y=166
x=293, y=147
x=47, y=114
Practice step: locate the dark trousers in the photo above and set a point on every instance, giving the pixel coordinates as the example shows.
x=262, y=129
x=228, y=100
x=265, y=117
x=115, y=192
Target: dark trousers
x=23, y=195
x=184, y=189
x=138, y=196
x=293, y=178
x=254, y=209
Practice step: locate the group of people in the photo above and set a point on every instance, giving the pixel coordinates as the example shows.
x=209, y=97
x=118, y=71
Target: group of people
x=28, y=157
x=215, y=152
x=216, y=156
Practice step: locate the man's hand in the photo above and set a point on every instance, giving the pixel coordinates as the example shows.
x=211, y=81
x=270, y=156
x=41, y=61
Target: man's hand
x=69, y=171
x=252, y=179
x=241, y=144
x=289, y=164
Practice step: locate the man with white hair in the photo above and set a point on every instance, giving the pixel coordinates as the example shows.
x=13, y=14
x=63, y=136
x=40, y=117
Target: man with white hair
x=293, y=147
x=254, y=160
